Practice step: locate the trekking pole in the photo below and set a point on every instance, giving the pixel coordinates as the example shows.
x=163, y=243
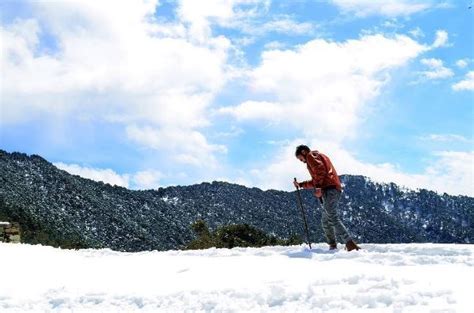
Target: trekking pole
x=300, y=203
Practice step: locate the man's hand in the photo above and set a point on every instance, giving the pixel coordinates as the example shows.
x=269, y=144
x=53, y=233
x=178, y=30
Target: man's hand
x=318, y=192
x=297, y=185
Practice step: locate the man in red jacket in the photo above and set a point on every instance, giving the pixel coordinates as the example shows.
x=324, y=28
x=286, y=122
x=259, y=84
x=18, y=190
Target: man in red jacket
x=328, y=186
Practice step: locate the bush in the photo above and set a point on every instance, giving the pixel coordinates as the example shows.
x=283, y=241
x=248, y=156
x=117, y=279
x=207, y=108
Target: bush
x=35, y=232
x=235, y=235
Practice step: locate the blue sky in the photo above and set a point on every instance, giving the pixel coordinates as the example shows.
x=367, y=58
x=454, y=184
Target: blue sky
x=146, y=94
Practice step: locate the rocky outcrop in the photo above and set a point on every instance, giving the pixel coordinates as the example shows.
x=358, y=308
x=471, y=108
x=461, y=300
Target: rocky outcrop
x=10, y=232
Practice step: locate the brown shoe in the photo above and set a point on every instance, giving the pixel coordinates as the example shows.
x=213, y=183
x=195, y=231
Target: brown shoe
x=333, y=246
x=351, y=245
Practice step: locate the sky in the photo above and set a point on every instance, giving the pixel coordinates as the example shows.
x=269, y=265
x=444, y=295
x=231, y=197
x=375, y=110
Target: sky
x=147, y=93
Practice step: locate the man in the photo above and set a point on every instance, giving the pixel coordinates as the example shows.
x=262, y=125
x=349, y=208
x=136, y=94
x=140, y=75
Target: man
x=328, y=186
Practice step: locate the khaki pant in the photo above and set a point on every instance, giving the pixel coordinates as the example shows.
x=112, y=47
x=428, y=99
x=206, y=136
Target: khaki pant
x=332, y=224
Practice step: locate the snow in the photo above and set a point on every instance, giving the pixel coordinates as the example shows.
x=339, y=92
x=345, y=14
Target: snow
x=173, y=200
x=379, y=278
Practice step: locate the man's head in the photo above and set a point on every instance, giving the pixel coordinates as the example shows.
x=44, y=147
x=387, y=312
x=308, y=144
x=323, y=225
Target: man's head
x=301, y=152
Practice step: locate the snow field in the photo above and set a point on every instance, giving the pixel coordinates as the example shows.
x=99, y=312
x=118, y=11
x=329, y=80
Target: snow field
x=379, y=278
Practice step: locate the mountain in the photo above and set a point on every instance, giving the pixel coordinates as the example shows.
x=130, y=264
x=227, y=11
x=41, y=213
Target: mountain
x=59, y=209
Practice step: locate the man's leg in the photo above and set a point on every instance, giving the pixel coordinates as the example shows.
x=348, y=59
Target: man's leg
x=330, y=202
x=328, y=229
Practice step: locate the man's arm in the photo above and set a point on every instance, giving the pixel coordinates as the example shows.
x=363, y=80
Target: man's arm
x=317, y=171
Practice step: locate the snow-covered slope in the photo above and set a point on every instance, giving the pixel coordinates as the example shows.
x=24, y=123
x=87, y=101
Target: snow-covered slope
x=380, y=278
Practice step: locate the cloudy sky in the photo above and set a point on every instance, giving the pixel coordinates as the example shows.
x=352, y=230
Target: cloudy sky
x=147, y=93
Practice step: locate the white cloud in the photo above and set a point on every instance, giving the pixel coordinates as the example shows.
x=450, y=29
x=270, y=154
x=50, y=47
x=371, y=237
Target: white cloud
x=466, y=84
x=445, y=138
x=441, y=39
x=283, y=24
x=450, y=172
x=202, y=14
x=436, y=69
x=417, y=33
x=392, y=23
x=244, y=41
x=233, y=131
x=149, y=179
x=389, y=8
x=255, y=110
x=278, y=172
x=462, y=63
x=248, y=16
x=115, y=62
x=321, y=87
x=190, y=147
x=274, y=45
x=105, y=175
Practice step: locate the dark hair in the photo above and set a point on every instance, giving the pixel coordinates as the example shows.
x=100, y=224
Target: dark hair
x=300, y=149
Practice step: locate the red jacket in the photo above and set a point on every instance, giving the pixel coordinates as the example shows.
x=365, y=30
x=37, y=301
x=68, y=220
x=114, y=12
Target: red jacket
x=322, y=172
